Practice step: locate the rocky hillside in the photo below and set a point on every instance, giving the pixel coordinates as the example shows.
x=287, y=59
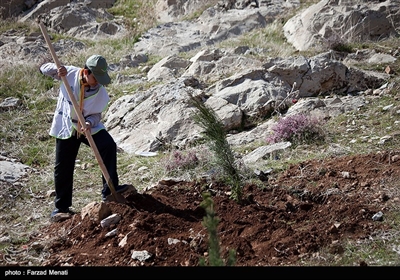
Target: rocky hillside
x=243, y=84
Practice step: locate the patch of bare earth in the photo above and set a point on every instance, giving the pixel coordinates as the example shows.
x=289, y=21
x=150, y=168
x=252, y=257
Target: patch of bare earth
x=317, y=204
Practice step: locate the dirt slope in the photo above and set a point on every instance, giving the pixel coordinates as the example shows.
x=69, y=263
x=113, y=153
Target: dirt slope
x=317, y=204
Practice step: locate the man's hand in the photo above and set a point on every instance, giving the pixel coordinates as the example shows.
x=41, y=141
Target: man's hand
x=62, y=71
x=88, y=126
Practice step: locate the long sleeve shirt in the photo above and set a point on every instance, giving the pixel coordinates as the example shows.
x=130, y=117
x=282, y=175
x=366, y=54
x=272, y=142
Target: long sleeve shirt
x=65, y=118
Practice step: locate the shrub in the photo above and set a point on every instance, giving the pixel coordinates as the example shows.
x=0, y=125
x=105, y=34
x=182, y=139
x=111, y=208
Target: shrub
x=180, y=160
x=299, y=128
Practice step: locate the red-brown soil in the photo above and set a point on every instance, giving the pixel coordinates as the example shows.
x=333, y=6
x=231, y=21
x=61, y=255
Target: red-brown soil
x=317, y=204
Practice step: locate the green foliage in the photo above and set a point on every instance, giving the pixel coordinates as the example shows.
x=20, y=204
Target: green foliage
x=36, y=155
x=270, y=38
x=138, y=16
x=215, y=135
x=19, y=82
x=24, y=129
x=210, y=221
x=13, y=24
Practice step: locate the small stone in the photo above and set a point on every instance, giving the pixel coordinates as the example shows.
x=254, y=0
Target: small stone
x=378, y=216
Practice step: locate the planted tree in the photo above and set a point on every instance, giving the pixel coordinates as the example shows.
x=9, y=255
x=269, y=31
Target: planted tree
x=210, y=221
x=215, y=134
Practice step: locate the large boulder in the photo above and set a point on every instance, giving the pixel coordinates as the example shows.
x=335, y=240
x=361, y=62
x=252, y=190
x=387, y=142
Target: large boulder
x=331, y=22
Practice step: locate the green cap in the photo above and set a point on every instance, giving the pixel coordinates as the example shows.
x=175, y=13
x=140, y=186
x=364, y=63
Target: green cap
x=98, y=65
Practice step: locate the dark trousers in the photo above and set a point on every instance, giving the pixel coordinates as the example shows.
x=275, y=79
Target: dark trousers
x=66, y=153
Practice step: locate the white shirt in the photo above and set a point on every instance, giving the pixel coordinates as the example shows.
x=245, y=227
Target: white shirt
x=65, y=118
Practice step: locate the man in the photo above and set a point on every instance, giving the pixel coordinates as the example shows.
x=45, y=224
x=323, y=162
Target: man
x=88, y=86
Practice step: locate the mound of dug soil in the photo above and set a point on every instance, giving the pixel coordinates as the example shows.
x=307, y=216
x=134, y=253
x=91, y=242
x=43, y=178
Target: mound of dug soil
x=317, y=204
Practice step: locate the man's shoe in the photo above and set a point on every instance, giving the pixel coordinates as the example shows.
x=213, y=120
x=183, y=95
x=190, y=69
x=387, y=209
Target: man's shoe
x=58, y=211
x=118, y=189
